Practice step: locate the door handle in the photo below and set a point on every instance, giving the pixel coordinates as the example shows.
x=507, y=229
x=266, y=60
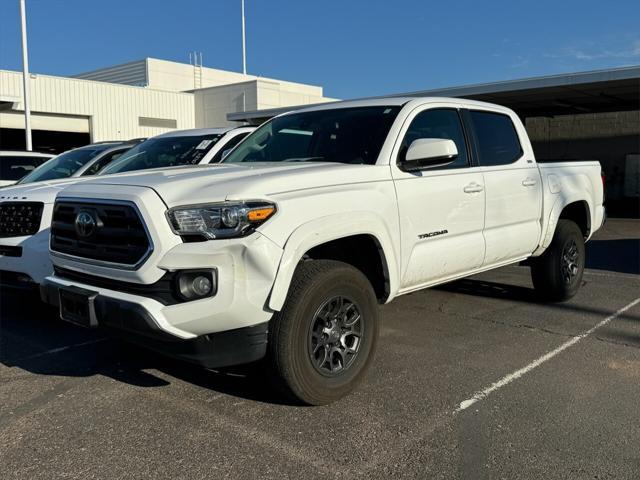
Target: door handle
x=473, y=188
x=529, y=182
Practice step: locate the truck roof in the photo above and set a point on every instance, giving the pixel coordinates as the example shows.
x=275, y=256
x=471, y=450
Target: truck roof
x=397, y=101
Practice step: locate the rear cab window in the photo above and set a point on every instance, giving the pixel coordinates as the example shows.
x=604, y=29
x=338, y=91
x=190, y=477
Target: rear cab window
x=496, y=138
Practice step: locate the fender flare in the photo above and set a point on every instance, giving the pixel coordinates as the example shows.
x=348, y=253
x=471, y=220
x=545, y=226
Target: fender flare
x=559, y=205
x=325, y=229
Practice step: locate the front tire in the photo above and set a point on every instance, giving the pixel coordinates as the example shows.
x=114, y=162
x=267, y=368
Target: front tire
x=323, y=340
x=557, y=273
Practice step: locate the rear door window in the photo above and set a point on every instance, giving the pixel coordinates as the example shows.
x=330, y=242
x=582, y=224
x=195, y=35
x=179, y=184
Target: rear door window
x=496, y=137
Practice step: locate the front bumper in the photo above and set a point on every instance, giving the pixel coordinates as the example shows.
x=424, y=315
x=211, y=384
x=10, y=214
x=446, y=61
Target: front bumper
x=246, y=269
x=132, y=321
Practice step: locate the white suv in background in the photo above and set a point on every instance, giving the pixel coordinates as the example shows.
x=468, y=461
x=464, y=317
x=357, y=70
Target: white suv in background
x=25, y=210
x=78, y=162
x=184, y=147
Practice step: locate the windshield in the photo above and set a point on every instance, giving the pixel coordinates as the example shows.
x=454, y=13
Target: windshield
x=162, y=152
x=341, y=135
x=65, y=164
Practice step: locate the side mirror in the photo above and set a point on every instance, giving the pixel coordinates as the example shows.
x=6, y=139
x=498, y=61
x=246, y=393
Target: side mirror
x=429, y=153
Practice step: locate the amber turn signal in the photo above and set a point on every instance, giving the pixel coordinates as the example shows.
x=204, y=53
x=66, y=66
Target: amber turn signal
x=260, y=214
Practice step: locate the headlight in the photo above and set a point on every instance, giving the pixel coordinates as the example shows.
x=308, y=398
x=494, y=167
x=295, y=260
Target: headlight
x=220, y=220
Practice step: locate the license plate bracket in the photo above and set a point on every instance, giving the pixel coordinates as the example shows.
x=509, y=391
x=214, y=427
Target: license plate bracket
x=77, y=306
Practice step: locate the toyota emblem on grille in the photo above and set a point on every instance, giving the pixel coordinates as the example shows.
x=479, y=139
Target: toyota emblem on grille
x=85, y=224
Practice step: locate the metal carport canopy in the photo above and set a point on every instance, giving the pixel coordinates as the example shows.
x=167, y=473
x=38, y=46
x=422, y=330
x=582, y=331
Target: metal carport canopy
x=611, y=90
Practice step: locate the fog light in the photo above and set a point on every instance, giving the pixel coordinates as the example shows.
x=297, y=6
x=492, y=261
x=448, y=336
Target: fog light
x=192, y=285
x=201, y=286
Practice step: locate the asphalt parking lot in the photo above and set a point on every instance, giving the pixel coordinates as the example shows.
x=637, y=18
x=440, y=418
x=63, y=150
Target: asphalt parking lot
x=474, y=379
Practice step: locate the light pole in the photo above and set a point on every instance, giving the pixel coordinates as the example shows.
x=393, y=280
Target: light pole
x=244, y=43
x=25, y=78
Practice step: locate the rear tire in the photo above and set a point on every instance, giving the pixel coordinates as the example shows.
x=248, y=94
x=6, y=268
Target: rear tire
x=557, y=273
x=323, y=340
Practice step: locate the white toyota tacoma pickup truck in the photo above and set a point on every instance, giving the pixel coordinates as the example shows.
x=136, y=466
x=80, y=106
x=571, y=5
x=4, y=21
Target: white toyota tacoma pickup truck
x=283, y=251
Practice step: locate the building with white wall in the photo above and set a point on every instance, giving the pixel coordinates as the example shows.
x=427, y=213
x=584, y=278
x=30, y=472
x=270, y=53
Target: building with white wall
x=213, y=104
x=136, y=99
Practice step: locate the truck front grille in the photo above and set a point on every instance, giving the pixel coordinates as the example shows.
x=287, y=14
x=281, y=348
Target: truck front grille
x=19, y=219
x=101, y=232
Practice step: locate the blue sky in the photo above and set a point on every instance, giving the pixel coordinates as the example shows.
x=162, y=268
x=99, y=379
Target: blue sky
x=352, y=48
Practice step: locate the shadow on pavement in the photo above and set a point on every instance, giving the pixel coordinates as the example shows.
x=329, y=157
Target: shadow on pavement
x=619, y=255
x=515, y=293
x=34, y=339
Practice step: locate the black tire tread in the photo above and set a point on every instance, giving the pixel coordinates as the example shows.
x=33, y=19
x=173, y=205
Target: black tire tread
x=545, y=270
x=280, y=365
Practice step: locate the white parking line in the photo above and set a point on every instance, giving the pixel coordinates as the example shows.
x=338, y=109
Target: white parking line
x=60, y=349
x=536, y=363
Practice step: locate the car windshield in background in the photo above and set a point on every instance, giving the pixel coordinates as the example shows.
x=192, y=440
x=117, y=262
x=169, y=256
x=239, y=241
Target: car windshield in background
x=341, y=135
x=164, y=152
x=65, y=164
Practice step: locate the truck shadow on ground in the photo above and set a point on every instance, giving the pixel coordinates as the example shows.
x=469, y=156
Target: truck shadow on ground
x=516, y=293
x=34, y=339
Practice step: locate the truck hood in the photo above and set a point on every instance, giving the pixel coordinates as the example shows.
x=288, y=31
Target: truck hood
x=213, y=183
x=44, y=191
